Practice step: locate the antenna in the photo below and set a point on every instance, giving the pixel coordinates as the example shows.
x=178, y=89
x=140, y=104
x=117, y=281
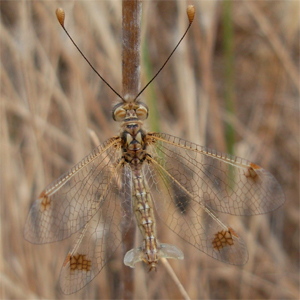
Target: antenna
x=190, y=13
x=60, y=14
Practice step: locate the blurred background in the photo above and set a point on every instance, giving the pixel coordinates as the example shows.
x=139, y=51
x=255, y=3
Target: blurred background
x=233, y=85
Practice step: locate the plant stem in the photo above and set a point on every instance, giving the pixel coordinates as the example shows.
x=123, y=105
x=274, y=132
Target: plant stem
x=229, y=72
x=131, y=45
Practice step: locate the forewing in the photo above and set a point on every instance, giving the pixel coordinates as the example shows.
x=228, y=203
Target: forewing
x=195, y=223
x=100, y=238
x=71, y=201
x=220, y=181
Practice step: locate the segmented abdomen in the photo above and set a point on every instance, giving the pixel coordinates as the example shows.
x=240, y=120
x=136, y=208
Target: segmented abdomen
x=143, y=209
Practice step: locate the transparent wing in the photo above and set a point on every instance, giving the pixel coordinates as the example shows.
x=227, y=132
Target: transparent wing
x=194, y=222
x=219, y=181
x=100, y=238
x=67, y=204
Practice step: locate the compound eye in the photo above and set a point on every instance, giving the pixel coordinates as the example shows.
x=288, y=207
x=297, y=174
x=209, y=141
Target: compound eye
x=118, y=112
x=142, y=111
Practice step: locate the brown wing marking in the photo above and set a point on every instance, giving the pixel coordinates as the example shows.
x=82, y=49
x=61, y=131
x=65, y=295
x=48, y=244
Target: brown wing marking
x=251, y=173
x=223, y=239
x=45, y=202
x=80, y=262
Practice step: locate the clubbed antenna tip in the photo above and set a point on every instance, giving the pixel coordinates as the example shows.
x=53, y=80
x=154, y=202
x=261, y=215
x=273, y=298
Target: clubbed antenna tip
x=191, y=13
x=60, y=14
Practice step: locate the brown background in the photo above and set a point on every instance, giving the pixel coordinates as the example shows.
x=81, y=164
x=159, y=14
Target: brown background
x=50, y=97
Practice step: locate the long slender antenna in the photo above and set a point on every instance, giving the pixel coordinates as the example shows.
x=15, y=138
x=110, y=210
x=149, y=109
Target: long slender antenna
x=190, y=13
x=60, y=14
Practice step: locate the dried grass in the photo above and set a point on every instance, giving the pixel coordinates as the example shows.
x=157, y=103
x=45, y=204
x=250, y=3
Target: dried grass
x=50, y=97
